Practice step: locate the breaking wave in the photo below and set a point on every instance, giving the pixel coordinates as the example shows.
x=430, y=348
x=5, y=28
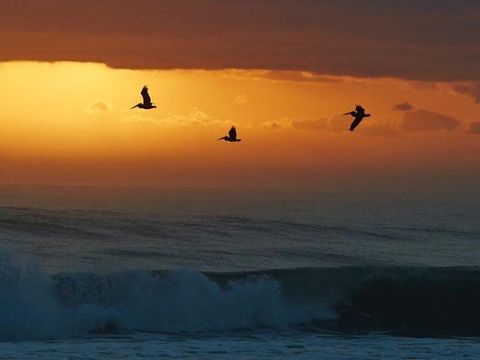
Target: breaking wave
x=35, y=305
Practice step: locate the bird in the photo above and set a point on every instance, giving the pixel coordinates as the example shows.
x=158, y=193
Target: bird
x=147, y=101
x=358, y=114
x=232, y=135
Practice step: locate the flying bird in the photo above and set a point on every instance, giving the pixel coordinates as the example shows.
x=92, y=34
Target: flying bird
x=147, y=101
x=232, y=135
x=358, y=114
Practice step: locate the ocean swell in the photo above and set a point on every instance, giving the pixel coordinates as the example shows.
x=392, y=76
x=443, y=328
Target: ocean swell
x=412, y=301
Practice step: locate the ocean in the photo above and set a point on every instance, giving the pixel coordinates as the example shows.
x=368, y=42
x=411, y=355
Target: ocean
x=90, y=273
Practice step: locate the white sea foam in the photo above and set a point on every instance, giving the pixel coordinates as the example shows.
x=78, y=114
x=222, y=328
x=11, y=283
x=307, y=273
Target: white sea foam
x=34, y=305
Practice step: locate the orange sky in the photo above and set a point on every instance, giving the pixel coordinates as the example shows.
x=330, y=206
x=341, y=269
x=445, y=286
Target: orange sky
x=69, y=123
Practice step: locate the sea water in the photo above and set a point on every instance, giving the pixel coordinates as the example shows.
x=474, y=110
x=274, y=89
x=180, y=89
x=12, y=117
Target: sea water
x=87, y=273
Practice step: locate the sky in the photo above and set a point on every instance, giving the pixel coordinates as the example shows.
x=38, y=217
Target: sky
x=282, y=72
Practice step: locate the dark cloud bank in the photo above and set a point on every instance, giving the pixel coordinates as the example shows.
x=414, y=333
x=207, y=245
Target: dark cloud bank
x=412, y=39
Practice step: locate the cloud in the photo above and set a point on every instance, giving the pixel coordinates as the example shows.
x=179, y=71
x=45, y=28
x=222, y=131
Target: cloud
x=378, y=130
x=241, y=99
x=405, y=106
x=420, y=120
x=382, y=39
x=194, y=117
x=99, y=107
x=474, y=128
x=296, y=76
x=281, y=123
x=272, y=125
x=471, y=89
x=424, y=120
x=337, y=124
x=315, y=125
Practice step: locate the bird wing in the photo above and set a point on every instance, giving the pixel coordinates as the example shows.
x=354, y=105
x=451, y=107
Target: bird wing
x=232, y=134
x=355, y=123
x=146, y=96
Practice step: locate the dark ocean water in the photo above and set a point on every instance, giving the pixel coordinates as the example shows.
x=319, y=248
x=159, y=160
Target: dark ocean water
x=88, y=274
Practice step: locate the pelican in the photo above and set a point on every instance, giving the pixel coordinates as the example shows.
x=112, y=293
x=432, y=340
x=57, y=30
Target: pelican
x=232, y=135
x=358, y=114
x=147, y=102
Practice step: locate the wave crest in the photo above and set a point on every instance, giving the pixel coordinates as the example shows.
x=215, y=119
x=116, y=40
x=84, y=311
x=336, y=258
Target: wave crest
x=35, y=305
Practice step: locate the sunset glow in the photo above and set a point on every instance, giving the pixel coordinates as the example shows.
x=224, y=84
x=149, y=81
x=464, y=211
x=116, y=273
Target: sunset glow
x=71, y=123
x=218, y=179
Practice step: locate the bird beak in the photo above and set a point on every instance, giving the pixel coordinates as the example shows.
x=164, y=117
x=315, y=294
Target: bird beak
x=133, y=107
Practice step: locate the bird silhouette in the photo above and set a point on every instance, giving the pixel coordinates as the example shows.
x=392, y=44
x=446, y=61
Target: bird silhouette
x=358, y=114
x=232, y=135
x=147, y=101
